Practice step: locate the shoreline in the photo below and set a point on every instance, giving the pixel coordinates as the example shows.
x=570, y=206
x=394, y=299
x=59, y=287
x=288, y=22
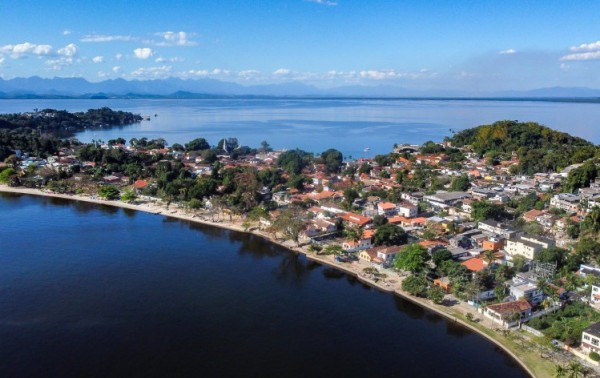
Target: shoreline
x=447, y=312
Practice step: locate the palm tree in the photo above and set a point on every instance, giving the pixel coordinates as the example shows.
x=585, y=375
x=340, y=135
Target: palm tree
x=560, y=371
x=354, y=233
x=489, y=257
x=576, y=369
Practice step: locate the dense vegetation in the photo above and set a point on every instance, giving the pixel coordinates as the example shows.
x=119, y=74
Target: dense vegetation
x=42, y=133
x=538, y=148
x=54, y=120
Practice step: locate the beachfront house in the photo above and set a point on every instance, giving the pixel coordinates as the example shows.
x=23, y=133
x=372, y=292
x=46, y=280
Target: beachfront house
x=508, y=314
x=590, y=339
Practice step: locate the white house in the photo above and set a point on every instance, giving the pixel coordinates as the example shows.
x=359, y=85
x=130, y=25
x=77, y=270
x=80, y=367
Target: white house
x=407, y=210
x=590, y=339
x=508, y=314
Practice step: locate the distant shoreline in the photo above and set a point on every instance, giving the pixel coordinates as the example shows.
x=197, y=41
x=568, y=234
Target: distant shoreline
x=446, y=312
x=200, y=96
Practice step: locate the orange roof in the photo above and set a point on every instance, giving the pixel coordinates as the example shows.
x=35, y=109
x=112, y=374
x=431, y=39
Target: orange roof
x=397, y=219
x=475, y=264
x=355, y=219
x=140, y=184
x=417, y=220
x=429, y=243
x=368, y=234
x=386, y=205
x=532, y=214
x=509, y=307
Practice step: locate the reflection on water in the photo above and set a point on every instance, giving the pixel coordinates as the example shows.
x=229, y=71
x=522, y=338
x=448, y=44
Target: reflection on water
x=138, y=296
x=409, y=308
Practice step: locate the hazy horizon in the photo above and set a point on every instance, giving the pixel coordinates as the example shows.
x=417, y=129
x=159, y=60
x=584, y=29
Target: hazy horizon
x=426, y=46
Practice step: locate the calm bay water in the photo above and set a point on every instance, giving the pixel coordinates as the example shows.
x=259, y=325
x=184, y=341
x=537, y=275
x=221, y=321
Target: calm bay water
x=97, y=291
x=316, y=125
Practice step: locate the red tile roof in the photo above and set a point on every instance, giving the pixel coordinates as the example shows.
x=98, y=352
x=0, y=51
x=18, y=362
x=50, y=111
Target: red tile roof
x=355, y=219
x=475, y=264
x=140, y=184
x=510, y=307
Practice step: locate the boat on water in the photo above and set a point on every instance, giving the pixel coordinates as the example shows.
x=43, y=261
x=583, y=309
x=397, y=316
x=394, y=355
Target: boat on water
x=367, y=149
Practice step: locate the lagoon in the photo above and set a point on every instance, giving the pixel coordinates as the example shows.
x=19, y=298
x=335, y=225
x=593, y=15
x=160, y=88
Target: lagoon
x=94, y=290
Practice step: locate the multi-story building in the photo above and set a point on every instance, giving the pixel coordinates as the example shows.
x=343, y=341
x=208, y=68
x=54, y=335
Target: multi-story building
x=527, y=246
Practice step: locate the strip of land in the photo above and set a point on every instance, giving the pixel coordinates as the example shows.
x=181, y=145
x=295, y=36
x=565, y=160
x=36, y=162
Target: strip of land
x=531, y=360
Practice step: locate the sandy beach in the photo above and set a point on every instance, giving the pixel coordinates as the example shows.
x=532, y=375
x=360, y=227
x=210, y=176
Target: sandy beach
x=392, y=284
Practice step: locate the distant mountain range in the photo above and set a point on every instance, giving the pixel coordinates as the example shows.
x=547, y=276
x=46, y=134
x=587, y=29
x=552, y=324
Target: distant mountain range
x=37, y=87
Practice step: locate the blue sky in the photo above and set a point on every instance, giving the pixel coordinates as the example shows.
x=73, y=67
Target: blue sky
x=458, y=45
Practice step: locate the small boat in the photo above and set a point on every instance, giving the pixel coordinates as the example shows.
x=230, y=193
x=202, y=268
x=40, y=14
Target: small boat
x=146, y=118
x=366, y=149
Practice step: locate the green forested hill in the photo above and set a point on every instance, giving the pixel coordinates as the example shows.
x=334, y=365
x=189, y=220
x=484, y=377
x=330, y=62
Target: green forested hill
x=539, y=148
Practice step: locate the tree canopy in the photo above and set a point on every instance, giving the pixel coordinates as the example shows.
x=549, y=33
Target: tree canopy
x=539, y=148
x=389, y=234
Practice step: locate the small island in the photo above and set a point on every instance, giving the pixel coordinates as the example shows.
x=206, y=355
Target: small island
x=496, y=227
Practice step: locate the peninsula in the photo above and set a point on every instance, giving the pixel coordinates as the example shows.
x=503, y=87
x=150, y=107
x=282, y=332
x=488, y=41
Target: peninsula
x=496, y=227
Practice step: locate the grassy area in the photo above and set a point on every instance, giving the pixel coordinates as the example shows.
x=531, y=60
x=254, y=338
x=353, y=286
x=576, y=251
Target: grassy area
x=529, y=356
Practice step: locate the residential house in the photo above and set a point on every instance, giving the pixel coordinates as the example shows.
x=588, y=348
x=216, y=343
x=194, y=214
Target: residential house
x=531, y=215
x=387, y=209
x=407, y=210
x=382, y=255
x=355, y=246
x=565, y=201
x=355, y=219
x=497, y=228
x=442, y=200
x=476, y=264
x=413, y=198
x=508, y=314
x=523, y=287
x=590, y=339
x=595, y=297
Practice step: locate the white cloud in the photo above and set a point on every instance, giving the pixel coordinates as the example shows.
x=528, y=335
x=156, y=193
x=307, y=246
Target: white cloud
x=26, y=49
x=282, y=72
x=119, y=56
x=507, y=52
x=116, y=69
x=170, y=38
x=323, y=2
x=59, y=63
x=98, y=59
x=248, y=74
x=161, y=59
x=586, y=47
x=66, y=32
x=205, y=73
x=1, y=59
x=106, y=38
x=161, y=72
x=69, y=50
x=143, y=52
x=590, y=55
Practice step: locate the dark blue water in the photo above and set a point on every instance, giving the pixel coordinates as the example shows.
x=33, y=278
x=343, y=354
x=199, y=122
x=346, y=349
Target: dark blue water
x=99, y=291
x=316, y=125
